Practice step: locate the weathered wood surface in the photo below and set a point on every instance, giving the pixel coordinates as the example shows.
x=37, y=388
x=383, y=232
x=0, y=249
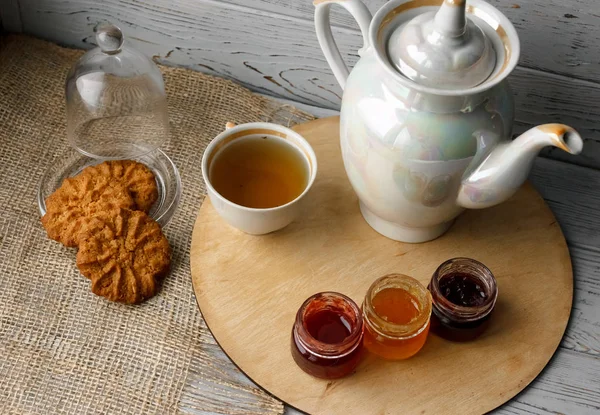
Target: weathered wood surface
x=571, y=27
x=10, y=16
x=271, y=47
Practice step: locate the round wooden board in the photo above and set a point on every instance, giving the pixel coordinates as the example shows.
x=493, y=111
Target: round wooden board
x=250, y=287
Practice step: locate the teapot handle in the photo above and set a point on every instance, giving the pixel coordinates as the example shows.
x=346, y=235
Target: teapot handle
x=323, y=26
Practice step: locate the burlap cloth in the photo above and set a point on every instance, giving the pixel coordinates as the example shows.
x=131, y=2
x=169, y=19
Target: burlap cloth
x=63, y=349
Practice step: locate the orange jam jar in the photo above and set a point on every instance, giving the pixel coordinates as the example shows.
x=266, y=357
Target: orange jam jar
x=396, y=313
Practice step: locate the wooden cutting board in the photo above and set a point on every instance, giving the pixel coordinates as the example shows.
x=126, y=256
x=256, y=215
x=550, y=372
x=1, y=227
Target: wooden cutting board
x=250, y=287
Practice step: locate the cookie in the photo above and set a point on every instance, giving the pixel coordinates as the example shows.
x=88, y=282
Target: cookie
x=78, y=198
x=125, y=255
x=136, y=177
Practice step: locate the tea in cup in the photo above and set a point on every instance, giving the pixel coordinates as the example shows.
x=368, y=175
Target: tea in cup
x=256, y=174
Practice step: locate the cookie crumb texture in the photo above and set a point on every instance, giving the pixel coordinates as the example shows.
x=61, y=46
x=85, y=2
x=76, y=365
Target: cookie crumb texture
x=137, y=178
x=69, y=208
x=125, y=255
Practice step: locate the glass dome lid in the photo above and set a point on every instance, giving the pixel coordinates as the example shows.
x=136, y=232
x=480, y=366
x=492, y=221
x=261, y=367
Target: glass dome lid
x=116, y=101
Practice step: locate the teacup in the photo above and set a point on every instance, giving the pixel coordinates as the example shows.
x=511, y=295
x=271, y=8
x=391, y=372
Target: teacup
x=253, y=220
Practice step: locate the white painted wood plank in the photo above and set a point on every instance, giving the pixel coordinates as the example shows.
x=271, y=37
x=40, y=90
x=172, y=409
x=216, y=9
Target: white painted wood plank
x=583, y=333
x=569, y=31
x=568, y=385
x=279, y=55
x=573, y=194
x=216, y=386
x=542, y=98
x=10, y=16
x=318, y=112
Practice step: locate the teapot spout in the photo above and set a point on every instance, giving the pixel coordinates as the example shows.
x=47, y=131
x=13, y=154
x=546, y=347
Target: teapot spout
x=504, y=169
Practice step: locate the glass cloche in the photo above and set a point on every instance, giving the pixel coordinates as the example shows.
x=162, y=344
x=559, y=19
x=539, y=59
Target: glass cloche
x=116, y=110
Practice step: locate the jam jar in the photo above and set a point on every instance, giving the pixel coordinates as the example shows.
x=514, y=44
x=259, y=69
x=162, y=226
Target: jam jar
x=464, y=293
x=327, y=336
x=396, y=313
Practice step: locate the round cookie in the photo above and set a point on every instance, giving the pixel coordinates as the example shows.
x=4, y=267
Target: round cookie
x=136, y=177
x=125, y=255
x=68, y=209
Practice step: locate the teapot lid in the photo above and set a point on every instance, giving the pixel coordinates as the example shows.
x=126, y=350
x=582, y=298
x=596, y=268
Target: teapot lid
x=116, y=100
x=442, y=49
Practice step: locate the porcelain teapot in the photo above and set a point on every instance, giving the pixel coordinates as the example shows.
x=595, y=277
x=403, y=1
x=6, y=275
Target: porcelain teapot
x=427, y=113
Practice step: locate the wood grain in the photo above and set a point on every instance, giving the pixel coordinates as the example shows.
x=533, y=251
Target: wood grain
x=270, y=46
x=583, y=334
x=573, y=28
x=558, y=391
x=333, y=248
x=574, y=195
x=10, y=16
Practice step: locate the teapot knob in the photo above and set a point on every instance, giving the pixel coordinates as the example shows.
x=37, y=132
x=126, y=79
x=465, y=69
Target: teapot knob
x=443, y=49
x=451, y=19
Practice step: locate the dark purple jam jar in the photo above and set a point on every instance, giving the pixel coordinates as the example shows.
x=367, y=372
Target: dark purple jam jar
x=464, y=293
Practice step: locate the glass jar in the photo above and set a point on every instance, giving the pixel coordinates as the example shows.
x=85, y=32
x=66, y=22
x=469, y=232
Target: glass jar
x=396, y=314
x=327, y=336
x=464, y=293
x=116, y=110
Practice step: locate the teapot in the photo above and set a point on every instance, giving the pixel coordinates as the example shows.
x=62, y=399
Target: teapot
x=427, y=113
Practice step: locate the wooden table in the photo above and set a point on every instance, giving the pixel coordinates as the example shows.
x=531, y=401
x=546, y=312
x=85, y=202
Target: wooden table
x=270, y=46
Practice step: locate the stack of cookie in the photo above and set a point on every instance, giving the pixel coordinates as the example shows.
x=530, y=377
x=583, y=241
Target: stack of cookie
x=103, y=211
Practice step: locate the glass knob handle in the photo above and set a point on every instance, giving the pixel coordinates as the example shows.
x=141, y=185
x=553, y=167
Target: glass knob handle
x=109, y=38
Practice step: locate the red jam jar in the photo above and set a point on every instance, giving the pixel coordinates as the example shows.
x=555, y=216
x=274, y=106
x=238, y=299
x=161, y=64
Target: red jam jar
x=327, y=336
x=464, y=293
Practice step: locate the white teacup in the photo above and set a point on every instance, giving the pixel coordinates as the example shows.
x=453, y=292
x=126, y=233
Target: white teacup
x=257, y=221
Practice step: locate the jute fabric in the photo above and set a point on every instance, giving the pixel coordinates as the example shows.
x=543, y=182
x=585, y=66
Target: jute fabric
x=63, y=349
